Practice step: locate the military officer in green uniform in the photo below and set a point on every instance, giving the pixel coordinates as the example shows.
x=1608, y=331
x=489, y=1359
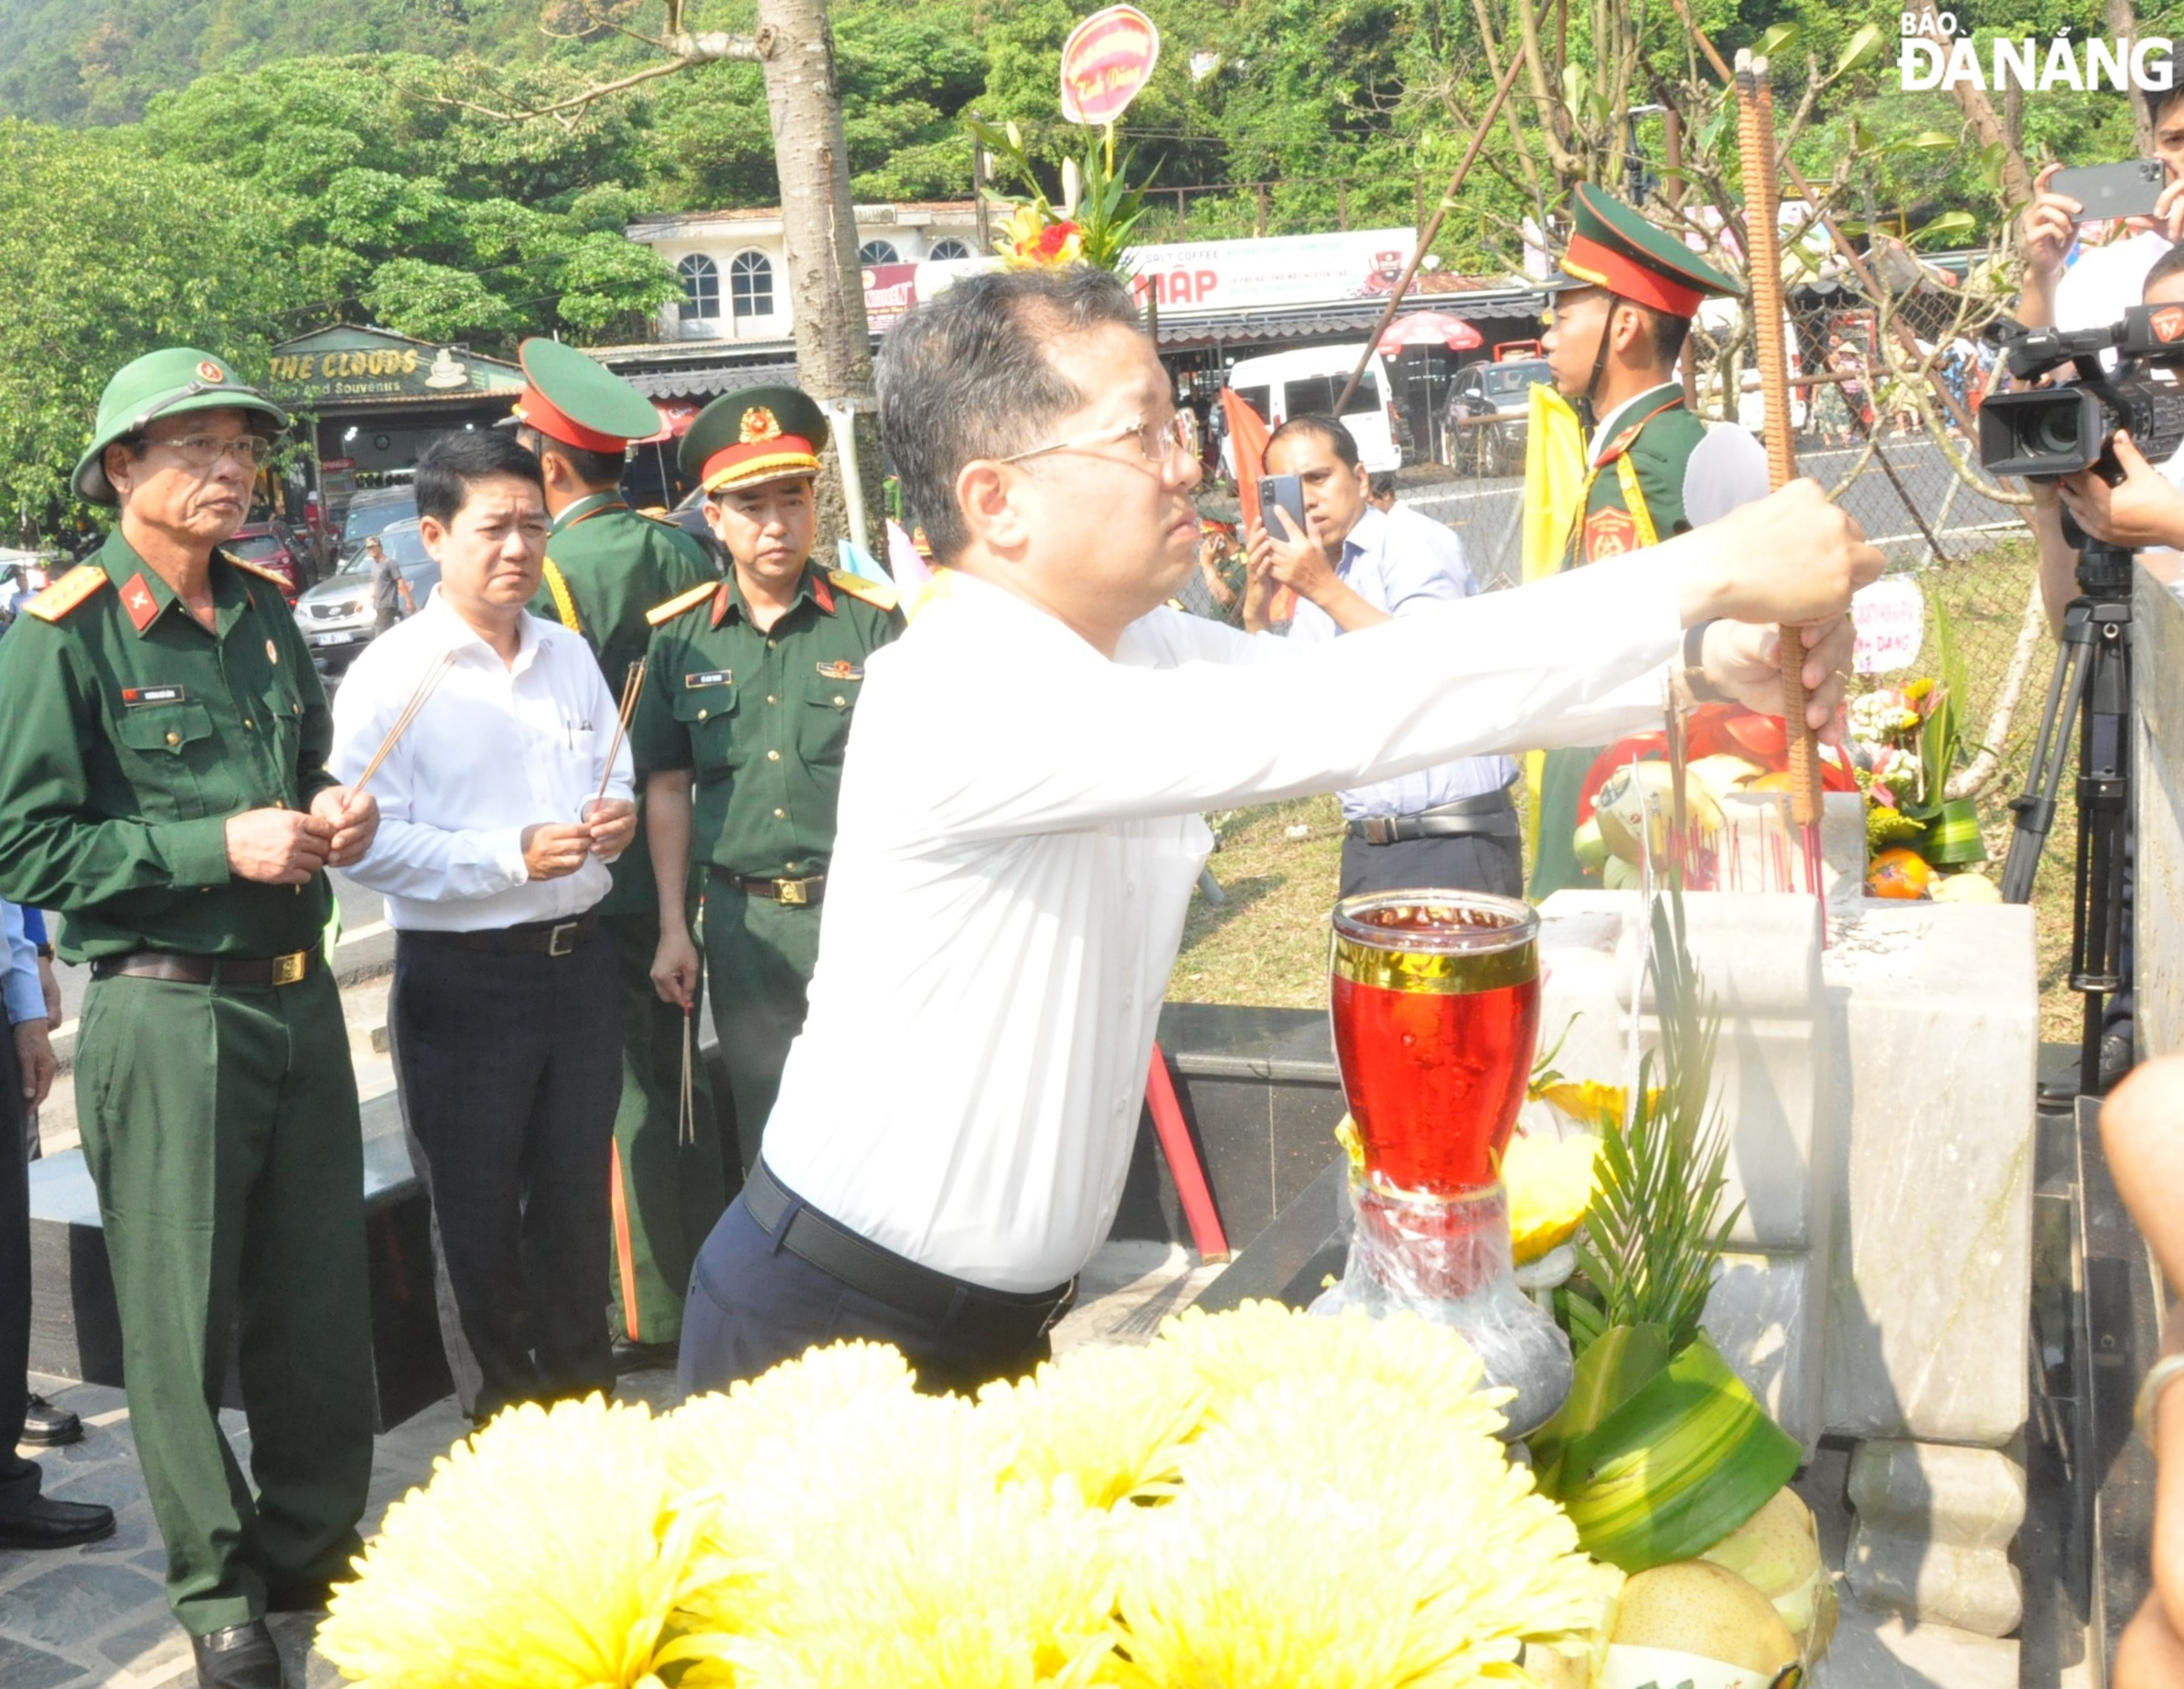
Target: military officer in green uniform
x=1623, y=307
x=163, y=783
x=754, y=684
x=605, y=567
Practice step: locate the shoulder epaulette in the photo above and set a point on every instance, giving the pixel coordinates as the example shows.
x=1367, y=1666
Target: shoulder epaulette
x=259, y=570
x=857, y=586
x=676, y=605
x=67, y=593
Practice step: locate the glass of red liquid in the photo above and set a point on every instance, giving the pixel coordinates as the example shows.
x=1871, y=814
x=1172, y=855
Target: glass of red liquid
x=1436, y=1011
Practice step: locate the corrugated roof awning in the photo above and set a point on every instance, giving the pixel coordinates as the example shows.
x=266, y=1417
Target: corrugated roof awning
x=1350, y=317
x=706, y=381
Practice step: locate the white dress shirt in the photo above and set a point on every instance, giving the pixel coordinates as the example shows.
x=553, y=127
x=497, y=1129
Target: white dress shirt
x=22, y=998
x=497, y=748
x=1019, y=835
x=1400, y=561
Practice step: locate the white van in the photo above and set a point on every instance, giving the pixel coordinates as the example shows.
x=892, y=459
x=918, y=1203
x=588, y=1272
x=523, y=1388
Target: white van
x=1285, y=384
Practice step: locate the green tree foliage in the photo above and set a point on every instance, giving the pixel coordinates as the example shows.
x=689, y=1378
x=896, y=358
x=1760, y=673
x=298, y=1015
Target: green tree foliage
x=111, y=252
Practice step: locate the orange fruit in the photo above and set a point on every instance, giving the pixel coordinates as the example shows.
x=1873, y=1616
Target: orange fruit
x=1900, y=873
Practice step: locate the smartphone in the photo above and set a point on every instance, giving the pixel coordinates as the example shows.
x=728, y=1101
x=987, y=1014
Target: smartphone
x=1284, y=493
x=2128, y=190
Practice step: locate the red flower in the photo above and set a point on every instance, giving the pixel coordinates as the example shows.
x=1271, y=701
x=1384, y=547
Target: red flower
x=1053, y=238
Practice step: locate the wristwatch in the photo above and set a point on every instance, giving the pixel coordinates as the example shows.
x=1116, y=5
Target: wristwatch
x=1694, y=676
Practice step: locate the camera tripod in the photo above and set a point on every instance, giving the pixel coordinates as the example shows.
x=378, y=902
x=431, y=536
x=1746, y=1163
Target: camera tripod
x=2092, y=687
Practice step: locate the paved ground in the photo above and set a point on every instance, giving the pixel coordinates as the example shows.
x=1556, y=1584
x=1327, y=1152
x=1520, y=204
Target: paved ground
x=77, y=1617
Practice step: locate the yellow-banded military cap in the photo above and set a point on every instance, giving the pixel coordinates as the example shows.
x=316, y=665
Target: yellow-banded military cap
x=752, y=436
x=1612, y=247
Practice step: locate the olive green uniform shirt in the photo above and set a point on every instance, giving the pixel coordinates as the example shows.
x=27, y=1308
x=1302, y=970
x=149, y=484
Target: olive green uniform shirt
x=606, y=566
x=132, y=734
x=762, y=719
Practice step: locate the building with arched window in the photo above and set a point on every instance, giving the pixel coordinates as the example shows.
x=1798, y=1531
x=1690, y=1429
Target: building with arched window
x=879, y=252
x=700, y=279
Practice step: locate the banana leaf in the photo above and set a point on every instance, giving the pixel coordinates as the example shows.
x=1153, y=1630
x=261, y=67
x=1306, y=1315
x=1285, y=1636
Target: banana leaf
x=1675, y=1466
x=1610, y=1370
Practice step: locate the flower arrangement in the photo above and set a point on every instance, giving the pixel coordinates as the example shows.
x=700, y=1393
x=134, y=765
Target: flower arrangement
x=1099, y=207
x=1256, y=1497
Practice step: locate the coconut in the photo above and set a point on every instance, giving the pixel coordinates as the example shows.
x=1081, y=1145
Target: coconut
x=1698, y=1607
x=1777, y=1552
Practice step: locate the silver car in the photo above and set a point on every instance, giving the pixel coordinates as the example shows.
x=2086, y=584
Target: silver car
x=337, y=616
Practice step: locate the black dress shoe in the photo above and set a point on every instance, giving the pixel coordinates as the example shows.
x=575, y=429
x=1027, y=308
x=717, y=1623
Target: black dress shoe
x=640, y=1357
x=299, y=1598
x=241, y=1657
x=47, y=1524
x=49, y=1427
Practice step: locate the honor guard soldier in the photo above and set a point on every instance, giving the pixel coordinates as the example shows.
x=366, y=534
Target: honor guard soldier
x=1624, y=305
x=754, y=684
x=163, y=783
x=605, y=567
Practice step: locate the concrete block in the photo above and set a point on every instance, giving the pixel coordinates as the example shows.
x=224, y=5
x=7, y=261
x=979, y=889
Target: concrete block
x=1932, y=1535
x=1934, y=1051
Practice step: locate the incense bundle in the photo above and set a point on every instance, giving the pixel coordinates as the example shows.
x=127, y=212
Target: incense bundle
x=427, y=683
x=633, y=686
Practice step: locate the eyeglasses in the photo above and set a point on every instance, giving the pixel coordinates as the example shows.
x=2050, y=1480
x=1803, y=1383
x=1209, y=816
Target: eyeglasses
x=1159, y=443
x=203, y=451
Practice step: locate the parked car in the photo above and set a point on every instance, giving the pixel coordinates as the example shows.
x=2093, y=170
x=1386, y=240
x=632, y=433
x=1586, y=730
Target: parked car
x=337, y=616
x=690, y=515
x=269, y=545
x=370, y=511
x=1285, y=384
x=1498, y=390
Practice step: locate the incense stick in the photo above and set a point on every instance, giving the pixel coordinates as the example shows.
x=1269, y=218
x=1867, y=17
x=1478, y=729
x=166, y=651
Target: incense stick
x=633, y=686
x=686, y=1123
x=427, y=683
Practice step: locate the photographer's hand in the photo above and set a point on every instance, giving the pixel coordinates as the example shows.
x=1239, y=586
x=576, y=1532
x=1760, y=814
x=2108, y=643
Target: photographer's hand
x=2143, y=509
x=2050, y=225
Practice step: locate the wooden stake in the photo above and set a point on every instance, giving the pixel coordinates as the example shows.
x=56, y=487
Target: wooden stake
x=1755, y=131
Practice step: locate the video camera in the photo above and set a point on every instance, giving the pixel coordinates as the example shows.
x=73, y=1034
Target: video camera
x=2043, y=433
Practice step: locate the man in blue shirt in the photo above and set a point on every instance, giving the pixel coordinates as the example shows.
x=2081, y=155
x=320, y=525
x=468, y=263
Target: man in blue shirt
x=27, y=1520
x=1450, y=825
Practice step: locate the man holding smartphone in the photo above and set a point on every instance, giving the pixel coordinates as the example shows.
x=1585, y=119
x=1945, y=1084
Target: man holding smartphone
x=1355, y=564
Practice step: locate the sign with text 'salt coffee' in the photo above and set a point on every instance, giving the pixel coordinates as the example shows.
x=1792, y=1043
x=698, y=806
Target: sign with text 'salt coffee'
x=1107, y=60
x=348, y=363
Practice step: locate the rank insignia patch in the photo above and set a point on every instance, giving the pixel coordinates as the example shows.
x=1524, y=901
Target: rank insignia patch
x=137, y=600
x=1610, y=533
x=840, y=669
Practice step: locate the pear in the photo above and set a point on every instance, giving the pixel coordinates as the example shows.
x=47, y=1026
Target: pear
x=1591, y=848
x=1965, y=889
x=1698, y=1607
x=1777, y=1552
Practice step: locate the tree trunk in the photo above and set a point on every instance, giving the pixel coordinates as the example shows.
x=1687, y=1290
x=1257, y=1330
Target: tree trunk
x=2123, y=24
x=819, y=236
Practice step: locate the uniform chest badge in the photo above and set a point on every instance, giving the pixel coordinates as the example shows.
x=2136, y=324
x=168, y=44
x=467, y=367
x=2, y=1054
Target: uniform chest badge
x=135, y=697
x=271, y=655
x=841, y=669
x=1610, y=533
x=709, y=676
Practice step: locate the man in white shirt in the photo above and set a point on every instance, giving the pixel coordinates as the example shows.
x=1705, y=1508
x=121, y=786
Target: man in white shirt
x=1357, y=565
x=492, y=854
x=1019, y=823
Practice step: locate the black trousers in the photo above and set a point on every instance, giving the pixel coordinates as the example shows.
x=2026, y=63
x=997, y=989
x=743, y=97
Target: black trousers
x=754, y=1304
x=18, y=1477
x=510, y=1068
x=1468, y=862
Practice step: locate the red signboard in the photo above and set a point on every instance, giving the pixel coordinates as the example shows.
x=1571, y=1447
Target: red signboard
x=889, y=291
x=1107, y=60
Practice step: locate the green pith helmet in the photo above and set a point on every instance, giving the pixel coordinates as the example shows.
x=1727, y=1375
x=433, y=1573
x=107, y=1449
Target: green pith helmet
x=754, y=435
x=168, y=382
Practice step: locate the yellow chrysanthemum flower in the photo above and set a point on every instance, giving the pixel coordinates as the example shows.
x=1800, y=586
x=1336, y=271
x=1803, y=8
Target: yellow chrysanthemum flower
x=548, y=1553
x=1550, y=1185
x=1109, y=1420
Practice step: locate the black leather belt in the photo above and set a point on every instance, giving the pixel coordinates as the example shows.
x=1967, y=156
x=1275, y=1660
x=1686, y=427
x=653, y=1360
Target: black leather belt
x=173, y=965
x=999, y=1316
x=532, y=938
x=1490, y=814
x=794, y=892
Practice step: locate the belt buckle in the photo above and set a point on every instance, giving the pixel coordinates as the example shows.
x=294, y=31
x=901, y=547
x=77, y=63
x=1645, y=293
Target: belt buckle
x=793, y=892
x=290, y=968
x=1380, y=829
x=562, y=940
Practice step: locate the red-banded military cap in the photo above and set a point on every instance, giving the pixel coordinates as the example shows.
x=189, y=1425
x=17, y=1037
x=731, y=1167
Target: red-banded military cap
x=578, y=401
x=1612, y=247
x=754, y=435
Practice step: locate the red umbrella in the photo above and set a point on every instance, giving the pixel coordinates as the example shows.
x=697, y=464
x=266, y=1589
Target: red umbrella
x=1430, y=328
